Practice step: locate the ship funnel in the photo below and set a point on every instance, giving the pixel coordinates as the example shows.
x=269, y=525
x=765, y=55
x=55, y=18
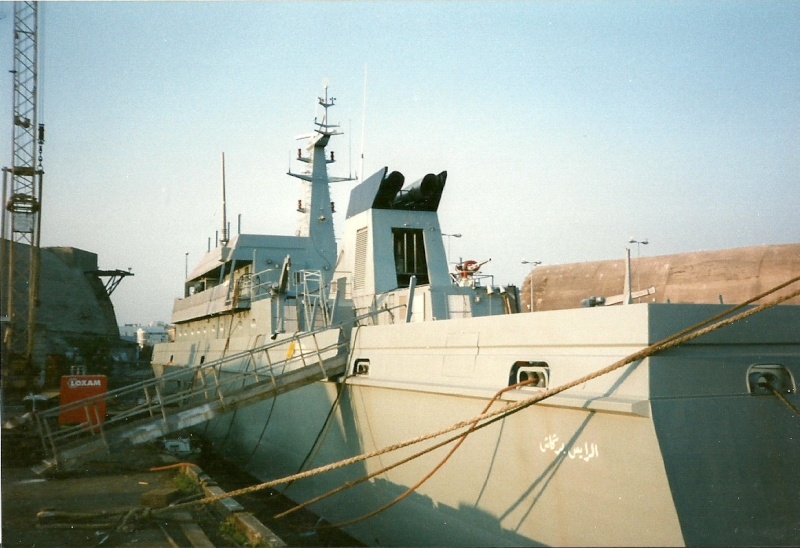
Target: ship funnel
x=423, y=194
x=388, y=189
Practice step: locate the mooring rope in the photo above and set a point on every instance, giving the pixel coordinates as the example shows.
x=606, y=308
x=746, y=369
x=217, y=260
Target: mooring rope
x=786, y=402
x=655, y=348
x=460, y=437
x=323, y=432
x=733, y=309
x=221, y=358
x=316, y=446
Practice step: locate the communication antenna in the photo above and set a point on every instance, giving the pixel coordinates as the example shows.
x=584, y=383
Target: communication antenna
x=224, y=239
x=363, y=124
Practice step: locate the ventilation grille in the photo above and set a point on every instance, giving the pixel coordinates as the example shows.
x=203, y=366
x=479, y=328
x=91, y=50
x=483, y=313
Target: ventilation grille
x=359, y=273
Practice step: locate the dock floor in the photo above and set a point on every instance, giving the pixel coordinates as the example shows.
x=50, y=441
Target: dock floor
x=101, y=488
x=118, y=484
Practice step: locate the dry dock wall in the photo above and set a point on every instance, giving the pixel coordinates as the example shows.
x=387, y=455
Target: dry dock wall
x=75, y=318
x=730, y=276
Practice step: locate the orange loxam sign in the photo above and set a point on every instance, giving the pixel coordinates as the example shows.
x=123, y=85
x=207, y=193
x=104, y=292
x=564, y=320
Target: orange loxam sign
x=75, y=388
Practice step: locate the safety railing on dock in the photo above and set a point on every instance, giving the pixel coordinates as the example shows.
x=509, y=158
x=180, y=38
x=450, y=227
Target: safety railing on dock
x=188, y=396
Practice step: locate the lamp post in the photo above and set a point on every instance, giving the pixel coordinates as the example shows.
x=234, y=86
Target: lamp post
x=533, y=264
x=639, y=244
x=448, y=244
x=186, y=266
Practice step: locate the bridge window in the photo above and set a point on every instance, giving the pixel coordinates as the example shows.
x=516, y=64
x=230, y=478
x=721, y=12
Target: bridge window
x=409, y=256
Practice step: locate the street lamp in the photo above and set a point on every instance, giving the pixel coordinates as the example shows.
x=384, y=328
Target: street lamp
x=448, y=244
x=533, y=264
x=186, y=266
x=639, y=244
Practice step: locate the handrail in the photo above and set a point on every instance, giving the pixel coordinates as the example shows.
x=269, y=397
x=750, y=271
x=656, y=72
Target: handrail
x=150, y=400
x=161, y=403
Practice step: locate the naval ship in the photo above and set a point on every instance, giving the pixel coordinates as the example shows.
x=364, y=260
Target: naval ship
x=683, y=444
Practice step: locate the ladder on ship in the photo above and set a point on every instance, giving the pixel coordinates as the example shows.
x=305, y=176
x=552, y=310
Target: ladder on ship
x=189, y=396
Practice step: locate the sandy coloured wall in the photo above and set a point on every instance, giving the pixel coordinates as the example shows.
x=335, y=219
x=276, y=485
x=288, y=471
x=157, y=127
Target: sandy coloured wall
x=730, y=276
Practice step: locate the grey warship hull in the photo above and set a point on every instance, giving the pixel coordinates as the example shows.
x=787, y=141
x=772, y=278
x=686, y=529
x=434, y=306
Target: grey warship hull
x=678, y=449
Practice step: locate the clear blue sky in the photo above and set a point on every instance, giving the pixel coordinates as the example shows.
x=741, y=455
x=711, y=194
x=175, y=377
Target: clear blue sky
x=566, y=127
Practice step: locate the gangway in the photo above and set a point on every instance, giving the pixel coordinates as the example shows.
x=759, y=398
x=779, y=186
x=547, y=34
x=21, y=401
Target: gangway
x=190, y=396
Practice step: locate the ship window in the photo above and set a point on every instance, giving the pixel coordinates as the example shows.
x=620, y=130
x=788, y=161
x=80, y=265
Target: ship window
x=409, y=256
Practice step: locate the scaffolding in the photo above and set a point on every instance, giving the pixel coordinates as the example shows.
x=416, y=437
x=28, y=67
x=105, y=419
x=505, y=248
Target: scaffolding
x=22, y=191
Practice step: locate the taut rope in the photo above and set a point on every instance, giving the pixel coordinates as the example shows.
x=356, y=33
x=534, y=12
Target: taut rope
x=676, y=340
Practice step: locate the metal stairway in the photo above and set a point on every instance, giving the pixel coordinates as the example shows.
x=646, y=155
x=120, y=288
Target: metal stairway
x=189, y=396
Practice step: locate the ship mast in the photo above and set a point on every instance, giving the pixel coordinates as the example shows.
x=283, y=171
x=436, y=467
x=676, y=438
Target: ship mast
x=316, y=222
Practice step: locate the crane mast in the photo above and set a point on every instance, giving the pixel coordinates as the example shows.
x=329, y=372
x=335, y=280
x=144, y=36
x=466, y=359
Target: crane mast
x=22, y=192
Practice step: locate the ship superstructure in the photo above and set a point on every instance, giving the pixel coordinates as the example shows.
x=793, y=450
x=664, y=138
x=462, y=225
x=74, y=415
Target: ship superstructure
x=247, y=284
x=392, y=268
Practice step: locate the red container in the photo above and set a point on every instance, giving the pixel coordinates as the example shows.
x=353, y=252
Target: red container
x=79, y=387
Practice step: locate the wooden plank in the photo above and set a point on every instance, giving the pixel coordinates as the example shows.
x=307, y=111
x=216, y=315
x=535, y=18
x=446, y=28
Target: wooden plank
x=193, y=533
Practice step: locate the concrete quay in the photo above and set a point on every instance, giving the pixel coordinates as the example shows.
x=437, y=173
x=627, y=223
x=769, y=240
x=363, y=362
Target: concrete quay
x=84, y=508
